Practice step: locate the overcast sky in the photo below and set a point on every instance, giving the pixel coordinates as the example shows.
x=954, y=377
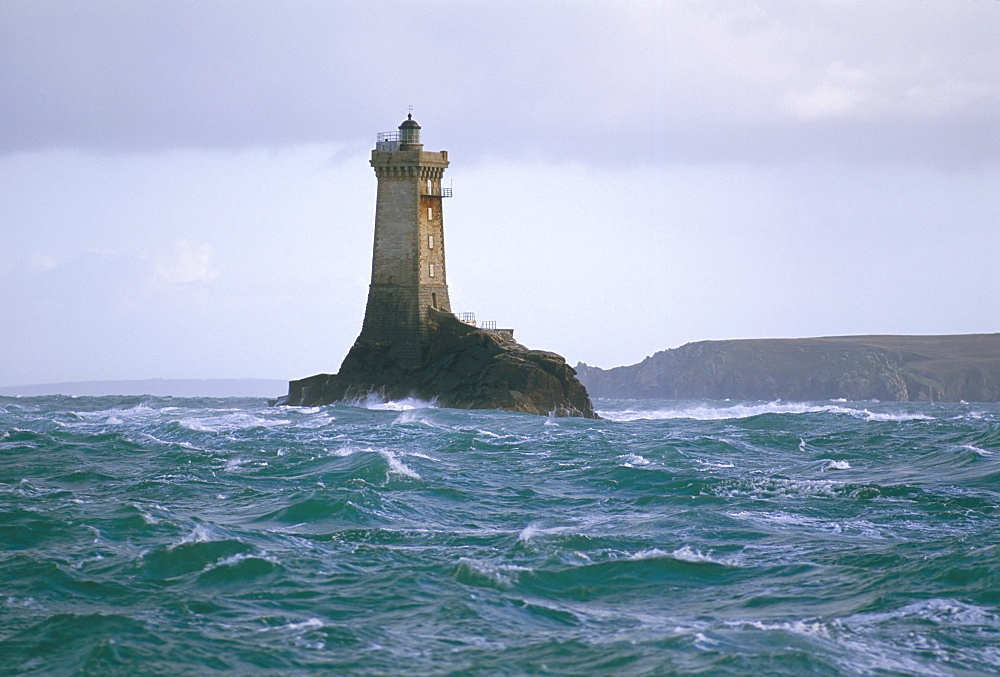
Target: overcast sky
x=185, y=189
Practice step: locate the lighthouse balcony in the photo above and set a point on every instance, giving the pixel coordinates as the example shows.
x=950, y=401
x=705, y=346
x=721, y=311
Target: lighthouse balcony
x=387, y=142
x=442, y=192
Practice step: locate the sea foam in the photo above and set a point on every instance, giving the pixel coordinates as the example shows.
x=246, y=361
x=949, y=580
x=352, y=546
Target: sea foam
x=712, y=412
x=376, y=402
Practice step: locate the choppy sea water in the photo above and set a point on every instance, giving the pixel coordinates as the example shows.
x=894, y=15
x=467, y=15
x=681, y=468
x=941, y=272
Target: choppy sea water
x=147, y=535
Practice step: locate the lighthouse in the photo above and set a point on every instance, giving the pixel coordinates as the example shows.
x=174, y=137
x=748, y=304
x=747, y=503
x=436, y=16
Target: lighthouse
x=408, y=264
x=411, y=344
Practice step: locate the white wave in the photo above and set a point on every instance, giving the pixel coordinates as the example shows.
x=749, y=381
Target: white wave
x=782, y=518
x=712, y=412
x=299, y=631
x=26, y=489
x=888, y=416
x=233, y=560
x=146, y=516
x=867, y=649
x=503, y=575
x=237, y=463
x=705, y=643
x=649, y=553
x=141, y=408
x=379, y=403
x=22, y=603
x=981, y=452
x=534, y=529
x=320, y=420
x=397, y=466
x=417, y=415
x=230, y=422
x=786, y=520
x=117, y=416
x=348, y=450
x=861, y=634
x=770, y=487
x=527, y=533
x=632, y=460
x=936, y=610
x=837, y=465
x=200, y=534
x=310, y=624
x=714, y=464
x=798, y=627
x=708, y=412
x=685, y=553
x=196, y=426
x=164, y=443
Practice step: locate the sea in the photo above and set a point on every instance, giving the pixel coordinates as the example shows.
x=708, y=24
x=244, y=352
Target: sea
x=186, y=536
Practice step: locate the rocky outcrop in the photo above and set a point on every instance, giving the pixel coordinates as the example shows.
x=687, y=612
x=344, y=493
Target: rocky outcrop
x=462, y=367
x=888, y=368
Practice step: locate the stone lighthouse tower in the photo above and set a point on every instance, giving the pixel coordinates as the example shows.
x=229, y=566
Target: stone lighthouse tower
x=408, y=269
x=411, y=345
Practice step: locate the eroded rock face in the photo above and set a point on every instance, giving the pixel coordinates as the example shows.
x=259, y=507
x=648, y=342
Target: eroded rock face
x=462, y=367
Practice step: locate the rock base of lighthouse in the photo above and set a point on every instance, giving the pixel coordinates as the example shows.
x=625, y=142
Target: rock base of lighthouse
x=461, y=367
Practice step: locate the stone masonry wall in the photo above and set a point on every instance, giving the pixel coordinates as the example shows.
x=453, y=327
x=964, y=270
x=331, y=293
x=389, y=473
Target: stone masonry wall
x=408, y=263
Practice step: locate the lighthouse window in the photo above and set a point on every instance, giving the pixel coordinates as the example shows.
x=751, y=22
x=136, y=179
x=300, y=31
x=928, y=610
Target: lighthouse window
x=430, y=213
x=432, y=270
x=429, y=187
x=430, y=242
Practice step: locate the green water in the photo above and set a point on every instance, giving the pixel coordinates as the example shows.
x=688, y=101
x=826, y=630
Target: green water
x=194, y=536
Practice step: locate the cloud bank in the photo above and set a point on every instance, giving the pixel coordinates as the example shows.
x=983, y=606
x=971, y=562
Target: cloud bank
x=626, y=83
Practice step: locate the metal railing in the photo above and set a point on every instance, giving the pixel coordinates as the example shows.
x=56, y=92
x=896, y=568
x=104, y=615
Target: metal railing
x=488, y=324
x=445, y=192
x=468, y=318
x=386, y=136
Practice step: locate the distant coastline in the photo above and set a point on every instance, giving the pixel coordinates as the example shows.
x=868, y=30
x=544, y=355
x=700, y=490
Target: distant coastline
x=948, y=368
x=887, y=368
x=158, y=387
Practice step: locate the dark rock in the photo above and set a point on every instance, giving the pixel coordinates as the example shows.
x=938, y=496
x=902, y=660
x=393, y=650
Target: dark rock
x=462, y=367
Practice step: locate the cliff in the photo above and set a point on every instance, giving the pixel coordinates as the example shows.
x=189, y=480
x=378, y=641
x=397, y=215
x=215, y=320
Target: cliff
x=462, y=367
x=888, y=368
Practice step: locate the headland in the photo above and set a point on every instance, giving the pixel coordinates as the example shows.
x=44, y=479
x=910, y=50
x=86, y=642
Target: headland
x=888, y=368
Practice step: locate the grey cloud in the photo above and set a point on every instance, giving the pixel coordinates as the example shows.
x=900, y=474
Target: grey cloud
x=605, y=82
